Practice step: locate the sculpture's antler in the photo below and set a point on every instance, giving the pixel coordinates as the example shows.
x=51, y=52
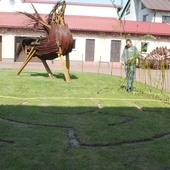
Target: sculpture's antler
x=61, y=13
x=37, y=14
x=37, y=18
x=30, y=16
x=57, y=13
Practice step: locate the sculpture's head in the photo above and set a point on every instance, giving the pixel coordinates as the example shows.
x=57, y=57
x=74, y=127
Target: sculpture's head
x=57, y=12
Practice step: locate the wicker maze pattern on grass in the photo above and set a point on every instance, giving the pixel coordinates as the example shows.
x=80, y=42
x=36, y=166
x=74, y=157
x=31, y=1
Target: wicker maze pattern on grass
x=116, y=120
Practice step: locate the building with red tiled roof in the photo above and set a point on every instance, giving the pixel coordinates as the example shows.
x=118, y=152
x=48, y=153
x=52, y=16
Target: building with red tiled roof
x=89, y=24
x=97, y=36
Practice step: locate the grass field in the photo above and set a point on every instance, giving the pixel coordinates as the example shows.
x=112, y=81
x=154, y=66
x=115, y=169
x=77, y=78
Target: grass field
x=90, y=124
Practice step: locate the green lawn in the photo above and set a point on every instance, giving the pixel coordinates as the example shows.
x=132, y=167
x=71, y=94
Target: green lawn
x=90, y=124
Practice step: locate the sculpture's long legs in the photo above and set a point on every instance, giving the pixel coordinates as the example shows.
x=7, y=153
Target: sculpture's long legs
x=28, y=58
x=68, y=62
x=65, y=68
x=50, y=74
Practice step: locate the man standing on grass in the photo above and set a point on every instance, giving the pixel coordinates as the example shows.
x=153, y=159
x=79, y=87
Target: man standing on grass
x=128, y=59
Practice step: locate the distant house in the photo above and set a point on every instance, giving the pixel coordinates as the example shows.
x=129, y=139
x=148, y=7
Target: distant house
x=147, y=11
x=98, y=34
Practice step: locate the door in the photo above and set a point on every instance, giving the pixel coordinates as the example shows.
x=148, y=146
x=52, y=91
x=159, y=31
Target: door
x=115, y=51
x=0, y=48
x=22, y=54
x=90, y=48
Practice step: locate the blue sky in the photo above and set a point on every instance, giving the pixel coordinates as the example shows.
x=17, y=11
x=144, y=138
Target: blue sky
x=118, y=2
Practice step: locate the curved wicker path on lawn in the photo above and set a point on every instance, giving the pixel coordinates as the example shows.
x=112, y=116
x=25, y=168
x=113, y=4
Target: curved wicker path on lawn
x=73, y=137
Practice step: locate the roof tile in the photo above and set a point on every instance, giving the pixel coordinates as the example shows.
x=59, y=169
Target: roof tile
x=96, y=24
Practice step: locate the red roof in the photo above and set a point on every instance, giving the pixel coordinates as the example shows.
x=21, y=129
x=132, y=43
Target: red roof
x=160, y=5
x=14, y=20
x=140, y=27
x=96, y=24
x=84, y=23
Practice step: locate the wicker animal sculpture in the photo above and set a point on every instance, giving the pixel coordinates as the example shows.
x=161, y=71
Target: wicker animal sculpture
x=157, y=59
x=57, y=43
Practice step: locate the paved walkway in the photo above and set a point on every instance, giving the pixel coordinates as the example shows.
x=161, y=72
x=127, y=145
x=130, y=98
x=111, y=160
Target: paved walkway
x=105, y=68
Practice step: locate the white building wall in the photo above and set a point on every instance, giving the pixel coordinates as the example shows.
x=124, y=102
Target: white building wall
x=152, y=44
x=132, y=15
x=137, y=13
x=8, y=46
x=153, y=16
x=162, y=43
x=134, y=9
x=143, y=12
x=8, y=42
x=102, y=48
x=102, y=45
x=77, y=54
x=159, y=15
x=90, y=10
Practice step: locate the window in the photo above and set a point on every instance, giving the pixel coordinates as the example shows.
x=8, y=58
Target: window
x=166, y=19
x=128, y=10
x=142, y=6
x=74, y=44
x=145, y=17
x=144, y=47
